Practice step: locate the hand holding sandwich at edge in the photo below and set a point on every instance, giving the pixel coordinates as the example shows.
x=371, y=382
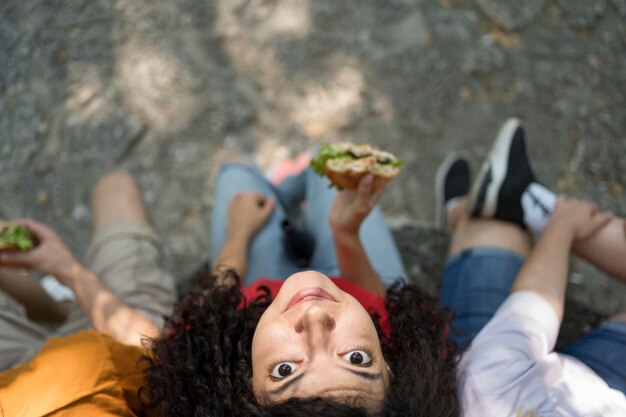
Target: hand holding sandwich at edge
x=108, y=313
x=349, y=210
x=51, y=256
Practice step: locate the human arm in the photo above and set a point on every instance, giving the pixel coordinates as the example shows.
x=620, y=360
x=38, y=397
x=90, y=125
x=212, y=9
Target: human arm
x=247, y=213
x=498, y=374
x=606, y=249
x=349, y=210
x=28, y=292
x=108, y=314
x=546, y=269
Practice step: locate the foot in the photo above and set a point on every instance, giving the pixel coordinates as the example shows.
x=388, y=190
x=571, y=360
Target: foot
x=503, y=177
x=289, y=167
x=452, y=183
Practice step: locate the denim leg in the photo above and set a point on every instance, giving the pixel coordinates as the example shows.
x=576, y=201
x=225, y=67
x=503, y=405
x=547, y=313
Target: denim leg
x=292, y=192
x=376, y=238
x=602, y=350
x=266, y=257
x=475, y=283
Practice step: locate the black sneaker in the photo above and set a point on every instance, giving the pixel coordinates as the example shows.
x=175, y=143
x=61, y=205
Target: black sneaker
x=452, y=181
x=503, y=177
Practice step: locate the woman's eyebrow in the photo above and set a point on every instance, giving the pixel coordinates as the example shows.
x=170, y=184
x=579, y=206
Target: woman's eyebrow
x=283, y=388
x=363, y=374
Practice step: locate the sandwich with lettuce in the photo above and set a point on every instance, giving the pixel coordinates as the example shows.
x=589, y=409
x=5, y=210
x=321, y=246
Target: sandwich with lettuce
x=345, y=163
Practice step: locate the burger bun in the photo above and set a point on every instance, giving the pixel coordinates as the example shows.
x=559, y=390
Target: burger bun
x=347, y=173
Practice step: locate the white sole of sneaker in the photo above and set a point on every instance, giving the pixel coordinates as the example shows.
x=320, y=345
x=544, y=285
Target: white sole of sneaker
x=497, y=160
x=440, y=216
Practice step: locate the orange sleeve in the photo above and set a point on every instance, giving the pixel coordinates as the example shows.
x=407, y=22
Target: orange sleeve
x=85, y=374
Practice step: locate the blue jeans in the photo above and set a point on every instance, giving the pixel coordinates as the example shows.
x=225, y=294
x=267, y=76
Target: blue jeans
x=267, y=258
x=477, y=281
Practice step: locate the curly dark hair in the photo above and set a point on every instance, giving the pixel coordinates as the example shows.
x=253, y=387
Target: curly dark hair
x=201, y=364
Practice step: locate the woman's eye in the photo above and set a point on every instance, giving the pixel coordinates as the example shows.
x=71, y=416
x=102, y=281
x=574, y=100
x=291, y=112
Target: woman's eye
x=358, y=357
x=283, y=370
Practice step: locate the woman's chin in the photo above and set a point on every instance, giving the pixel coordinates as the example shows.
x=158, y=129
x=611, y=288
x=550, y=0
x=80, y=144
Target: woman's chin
x=308, y=279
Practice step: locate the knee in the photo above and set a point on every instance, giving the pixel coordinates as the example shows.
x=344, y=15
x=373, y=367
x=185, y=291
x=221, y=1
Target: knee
x=119, y=181
x=230, y=156
x=116, y=196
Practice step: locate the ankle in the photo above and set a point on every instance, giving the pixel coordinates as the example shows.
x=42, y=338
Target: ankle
x=453, y=217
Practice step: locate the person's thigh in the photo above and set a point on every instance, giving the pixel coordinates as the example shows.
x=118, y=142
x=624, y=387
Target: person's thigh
x=266, y=255
x=20, y=338
x=376, y=237
x=603, y=350
x=475, y=283
x=128, y=258
x=292, y=191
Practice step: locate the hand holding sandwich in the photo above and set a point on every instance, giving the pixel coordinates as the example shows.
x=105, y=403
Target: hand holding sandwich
x=51, y=256
x=17, y=239
x=352, y=206
x=349, y=210
x=108, y=313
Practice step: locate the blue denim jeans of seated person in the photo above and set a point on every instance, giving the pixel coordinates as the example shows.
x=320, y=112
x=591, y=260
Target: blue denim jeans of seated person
x=266, y=256
x=477, y=281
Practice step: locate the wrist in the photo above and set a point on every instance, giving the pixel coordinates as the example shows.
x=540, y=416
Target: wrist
x=72, y=274
x=346, y=237
x=560, y=228
x=344, y=232
x=239, y=236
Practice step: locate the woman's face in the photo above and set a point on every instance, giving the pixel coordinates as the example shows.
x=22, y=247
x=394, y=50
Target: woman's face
x=316, y=340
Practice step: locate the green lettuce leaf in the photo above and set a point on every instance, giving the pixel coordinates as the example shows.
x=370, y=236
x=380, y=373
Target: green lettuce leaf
x=19, y=236
x=325, y=152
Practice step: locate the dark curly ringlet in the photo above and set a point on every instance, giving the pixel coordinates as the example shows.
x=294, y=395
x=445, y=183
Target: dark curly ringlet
x=201, y=364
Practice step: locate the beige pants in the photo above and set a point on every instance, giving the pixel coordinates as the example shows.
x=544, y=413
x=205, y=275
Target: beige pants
x=128, y=258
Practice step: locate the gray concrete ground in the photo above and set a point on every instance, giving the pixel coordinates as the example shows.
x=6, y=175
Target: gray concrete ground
x=158, y=87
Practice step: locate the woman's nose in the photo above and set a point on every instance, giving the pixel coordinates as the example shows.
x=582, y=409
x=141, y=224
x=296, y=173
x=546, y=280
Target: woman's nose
x=315, y=318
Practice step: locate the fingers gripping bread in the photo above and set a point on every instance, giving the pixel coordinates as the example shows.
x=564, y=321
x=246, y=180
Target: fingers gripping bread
x=346, y=173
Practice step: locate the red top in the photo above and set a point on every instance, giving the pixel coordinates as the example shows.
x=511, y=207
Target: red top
x=369, y=300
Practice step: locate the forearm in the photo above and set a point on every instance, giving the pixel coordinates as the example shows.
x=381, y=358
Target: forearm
x=28, y=292
x=546, y=269
x=606, y=249
x=109, y=314
x=354, y=264
x=234, y=255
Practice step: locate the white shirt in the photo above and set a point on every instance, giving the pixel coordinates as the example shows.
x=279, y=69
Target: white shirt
x=510, y=369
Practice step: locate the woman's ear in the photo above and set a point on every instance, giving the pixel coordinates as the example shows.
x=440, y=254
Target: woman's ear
x=388, y=367
x=261, y=398
x=389, y=374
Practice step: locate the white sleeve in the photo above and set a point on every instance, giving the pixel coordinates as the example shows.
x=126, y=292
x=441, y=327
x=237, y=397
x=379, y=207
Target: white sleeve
x=498, y=375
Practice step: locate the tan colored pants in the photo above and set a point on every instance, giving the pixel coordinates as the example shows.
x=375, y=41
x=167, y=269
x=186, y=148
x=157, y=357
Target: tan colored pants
x=128, y=258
